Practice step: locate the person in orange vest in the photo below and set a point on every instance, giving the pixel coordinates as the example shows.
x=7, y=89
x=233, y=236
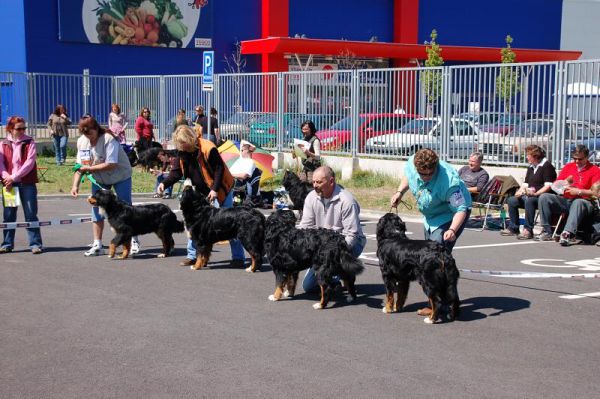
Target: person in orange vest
x=200, y=161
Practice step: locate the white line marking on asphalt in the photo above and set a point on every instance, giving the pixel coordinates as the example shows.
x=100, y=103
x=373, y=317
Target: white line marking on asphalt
x=496, y=245
x=578, y=296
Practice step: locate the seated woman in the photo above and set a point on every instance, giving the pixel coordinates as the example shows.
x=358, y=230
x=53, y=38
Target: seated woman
x=244, y=170
x=162, y=173
x=538, y=180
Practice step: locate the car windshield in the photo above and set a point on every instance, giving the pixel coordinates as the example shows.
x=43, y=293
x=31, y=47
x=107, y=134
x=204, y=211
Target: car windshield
x=269, y=118
x=345, y=124
x=239, y=118
x=532, y=128
x=418, y=126
x=507, y=119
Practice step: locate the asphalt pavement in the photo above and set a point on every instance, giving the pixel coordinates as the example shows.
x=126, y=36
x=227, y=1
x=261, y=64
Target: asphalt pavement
x=74, y=327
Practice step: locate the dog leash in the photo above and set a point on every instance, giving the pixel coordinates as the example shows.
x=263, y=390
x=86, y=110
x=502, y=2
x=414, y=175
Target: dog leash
x=406, y=205
x=89, y=176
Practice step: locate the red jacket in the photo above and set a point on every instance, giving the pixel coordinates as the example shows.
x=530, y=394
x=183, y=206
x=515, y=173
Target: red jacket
x=583, y=179
x=143, y=128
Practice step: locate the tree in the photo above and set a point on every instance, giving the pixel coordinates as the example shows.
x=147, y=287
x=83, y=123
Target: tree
x=507, y=81
x=431, y=79
x=235, y=63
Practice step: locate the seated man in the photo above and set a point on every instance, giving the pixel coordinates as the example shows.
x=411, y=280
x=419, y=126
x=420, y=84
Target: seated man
x=577, y=178
x=244, y=170
x=474, y=176
x=538, y=179
x=166, y=159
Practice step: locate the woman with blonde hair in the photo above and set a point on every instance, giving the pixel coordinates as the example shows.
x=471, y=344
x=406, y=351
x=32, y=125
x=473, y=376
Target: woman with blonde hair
x=200, y=161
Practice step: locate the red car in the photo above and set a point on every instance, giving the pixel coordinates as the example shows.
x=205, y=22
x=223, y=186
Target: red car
x=338, y=136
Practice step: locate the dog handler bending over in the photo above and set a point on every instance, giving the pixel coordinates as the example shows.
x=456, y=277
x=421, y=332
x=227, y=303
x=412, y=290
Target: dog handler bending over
x=200, y=161
x=331, y=207
x=442, y=197
x=101, y=155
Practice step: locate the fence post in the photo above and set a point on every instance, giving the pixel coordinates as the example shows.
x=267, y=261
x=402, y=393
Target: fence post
x=162, y=110
x=85, y=89
x=31, y=101
x=280, y=109
x=445, y=113
x=560, y=90
x=354, y=112
x=216, y=95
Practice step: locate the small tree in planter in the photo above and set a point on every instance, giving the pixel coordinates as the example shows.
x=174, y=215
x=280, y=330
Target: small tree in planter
x=235, y=63
x=507, y=81
x=431, y=79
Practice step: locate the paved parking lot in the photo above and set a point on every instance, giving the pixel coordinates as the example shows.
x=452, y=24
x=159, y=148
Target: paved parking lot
x=93, y=327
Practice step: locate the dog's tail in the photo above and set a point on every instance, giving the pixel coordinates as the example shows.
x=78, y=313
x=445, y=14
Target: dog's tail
x=175, y=225
x=351, y=264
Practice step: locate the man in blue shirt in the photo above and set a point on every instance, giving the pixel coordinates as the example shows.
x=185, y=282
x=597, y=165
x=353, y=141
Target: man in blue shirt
x=441, y=196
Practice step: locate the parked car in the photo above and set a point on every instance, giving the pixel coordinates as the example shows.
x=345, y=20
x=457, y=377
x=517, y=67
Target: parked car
x=263, y=131
x=593, y=144
x=426, y=133
x=511, y=147
x=504, y=123
x=237, y=126
x=338, y=136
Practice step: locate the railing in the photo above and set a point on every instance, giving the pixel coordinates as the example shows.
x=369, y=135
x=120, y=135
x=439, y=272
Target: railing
x=497, y=109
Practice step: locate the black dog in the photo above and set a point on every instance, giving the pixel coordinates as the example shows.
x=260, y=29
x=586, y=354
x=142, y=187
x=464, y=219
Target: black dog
x=128, y=221
x=292, y=250
x=208, y=225
x=297, y=189
x=149, y=158
x=402, y=260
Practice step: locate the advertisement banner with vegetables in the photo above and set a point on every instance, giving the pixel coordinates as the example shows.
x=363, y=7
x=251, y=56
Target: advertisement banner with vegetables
x=154, y=23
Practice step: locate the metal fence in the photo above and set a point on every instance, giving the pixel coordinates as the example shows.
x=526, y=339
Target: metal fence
x=498, y=109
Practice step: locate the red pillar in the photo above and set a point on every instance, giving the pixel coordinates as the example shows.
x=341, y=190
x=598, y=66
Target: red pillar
x=406, y=31
x=275, y=22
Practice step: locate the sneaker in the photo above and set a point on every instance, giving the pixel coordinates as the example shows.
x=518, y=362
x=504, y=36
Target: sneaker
x=525, y=235
x=36, y=250
x=508, y=232
x=567, y=239
x=96, y=250
x=544, y=236
x=188, y=262
x=167, y=196
x=135, y=247
x=237, y=263
x=5, y=250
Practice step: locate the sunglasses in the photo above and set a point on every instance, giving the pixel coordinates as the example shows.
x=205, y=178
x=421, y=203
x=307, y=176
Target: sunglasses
x=578, y=159
x=20, y=129
x=426, y=174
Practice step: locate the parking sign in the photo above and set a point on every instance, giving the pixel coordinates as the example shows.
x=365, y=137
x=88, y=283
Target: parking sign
x=208, y=67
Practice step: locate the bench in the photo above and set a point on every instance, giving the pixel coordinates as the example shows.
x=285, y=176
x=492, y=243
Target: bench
x=42, y=173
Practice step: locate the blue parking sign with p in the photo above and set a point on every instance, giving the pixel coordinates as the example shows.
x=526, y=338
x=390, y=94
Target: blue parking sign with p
x=208, y=68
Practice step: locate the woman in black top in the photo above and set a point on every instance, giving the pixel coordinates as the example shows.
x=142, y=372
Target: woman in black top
x=538, y=179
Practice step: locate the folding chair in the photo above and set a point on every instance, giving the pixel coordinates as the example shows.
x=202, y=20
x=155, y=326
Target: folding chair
x=492, y=198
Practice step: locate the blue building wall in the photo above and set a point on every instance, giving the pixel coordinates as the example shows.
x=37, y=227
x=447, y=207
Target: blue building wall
x=531, y=23
x=12, y=31
x=343, y=19
x=45, y=53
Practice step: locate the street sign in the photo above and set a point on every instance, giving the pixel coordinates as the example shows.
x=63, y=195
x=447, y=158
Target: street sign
x=208, y=69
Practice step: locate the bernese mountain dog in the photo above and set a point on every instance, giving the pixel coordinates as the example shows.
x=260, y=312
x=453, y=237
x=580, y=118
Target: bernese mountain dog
x=128, y=221
x=297, y=189
x=402, y=260
x=208, y=225
x=291, y=250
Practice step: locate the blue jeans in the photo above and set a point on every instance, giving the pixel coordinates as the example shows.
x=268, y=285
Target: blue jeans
x=123, y=191
x=438, y=234
x=577, y=209
x=60, y=149
x=159, y=179
x=530, y=204
x=309, y=282
x=237, y=250
x=28, y=195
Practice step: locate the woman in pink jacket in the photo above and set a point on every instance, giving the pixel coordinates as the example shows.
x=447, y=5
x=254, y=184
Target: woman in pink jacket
x=144, y=129
x=18, y=169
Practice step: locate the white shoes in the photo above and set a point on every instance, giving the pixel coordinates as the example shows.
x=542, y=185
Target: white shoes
x=95, y=250
x=135, y=246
